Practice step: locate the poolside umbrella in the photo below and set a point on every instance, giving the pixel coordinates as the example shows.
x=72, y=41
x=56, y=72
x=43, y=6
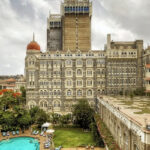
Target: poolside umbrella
x=46, y=125
x=50, y=131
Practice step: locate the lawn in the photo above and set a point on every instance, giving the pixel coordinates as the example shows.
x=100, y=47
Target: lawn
x=72, y=137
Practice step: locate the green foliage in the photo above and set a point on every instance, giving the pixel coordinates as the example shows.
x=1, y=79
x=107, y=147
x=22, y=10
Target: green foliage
x=8, y=120
x=121, y=92
x=33, y=112
x=12, y=112
x=24, y=120
x=65, y=119
x=55, y=118
x=23, y=95
x=23, y=91
x=140, y=92
x=106, y=134
x=72, y=137
x=96, y=136
x=7, y=101
x=131, y=95
x=83, y=114
x=41, y=117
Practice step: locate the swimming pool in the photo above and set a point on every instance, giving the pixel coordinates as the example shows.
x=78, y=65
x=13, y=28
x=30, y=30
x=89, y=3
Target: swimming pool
x=20, y=143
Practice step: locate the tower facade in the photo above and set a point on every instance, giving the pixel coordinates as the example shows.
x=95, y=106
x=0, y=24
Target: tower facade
x=76, y=25
x=54, y=33
x=70, y=30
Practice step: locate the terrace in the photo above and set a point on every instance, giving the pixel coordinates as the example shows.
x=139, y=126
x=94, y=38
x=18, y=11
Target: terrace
x=136, y=108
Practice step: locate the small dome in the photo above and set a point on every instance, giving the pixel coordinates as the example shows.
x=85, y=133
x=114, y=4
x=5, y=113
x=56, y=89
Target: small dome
x=33, y=46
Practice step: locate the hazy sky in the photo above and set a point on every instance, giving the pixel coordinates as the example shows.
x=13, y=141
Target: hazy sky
x=124, y=19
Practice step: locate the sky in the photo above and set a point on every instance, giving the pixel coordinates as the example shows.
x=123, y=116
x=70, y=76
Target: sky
x=126, y=20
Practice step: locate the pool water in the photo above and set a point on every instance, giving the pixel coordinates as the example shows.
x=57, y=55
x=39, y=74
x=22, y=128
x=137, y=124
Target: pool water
x=20, y=143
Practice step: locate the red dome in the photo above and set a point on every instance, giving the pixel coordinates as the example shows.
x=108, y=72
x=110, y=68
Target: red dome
x=33, y=46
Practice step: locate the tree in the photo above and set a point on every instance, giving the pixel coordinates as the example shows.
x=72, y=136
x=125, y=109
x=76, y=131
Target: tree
x=33, y=112
x=41, y=117
x=23, y=95
x=139, y=92
x=55, y=118
x=64, y=119
x=12, y=112
x=24, y=120
x=7, y=100
x=8, y=120
x=83, y=114
x=23, y=91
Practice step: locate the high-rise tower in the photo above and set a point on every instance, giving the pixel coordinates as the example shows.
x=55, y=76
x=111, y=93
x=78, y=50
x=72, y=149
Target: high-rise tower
x=72, y=28
x=54, y=33
x=76, y=20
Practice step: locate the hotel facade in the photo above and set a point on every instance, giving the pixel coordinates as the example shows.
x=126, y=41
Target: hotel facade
x=69, y=70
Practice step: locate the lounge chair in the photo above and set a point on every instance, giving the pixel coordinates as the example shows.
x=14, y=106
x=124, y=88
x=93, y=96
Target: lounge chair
x=92, y=147
x=34, y=132
x=17, y=132
x=7, y=133
x=3, y=133
x=13, y=133
x=37, y=132
x=58, y=148
x=47, y=145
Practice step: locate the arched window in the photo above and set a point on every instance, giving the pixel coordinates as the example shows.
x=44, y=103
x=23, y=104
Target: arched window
x=31, y=104
x=98, y=91
x=69, y=93
x=79, y=72
x=92, y=104
x=43, y=104
x=41, y=92
x=45, y=92
x=69, y=83
x=89, y=82
x=55, y=93
x=68, y=62
x=79, y=92
x=89, y=72
x=56, y=103
x=69, y=72
x=89, y=62
x=89, y=93
x=79, y=63
x=58, y=93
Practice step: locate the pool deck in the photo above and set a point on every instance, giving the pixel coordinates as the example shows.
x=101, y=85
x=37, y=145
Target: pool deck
x=82, y=148
x=27, y=133
x=41, y=140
